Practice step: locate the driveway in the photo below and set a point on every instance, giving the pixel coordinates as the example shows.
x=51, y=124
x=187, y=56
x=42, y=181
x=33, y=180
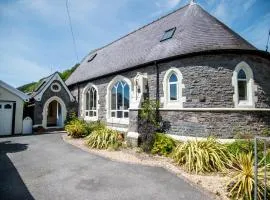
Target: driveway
x=45, y=167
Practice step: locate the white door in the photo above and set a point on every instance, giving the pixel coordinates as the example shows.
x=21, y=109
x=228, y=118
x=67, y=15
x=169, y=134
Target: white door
x=6, y=111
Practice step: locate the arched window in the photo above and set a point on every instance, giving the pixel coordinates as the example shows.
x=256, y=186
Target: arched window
x=243, y=82
x=91, y=102
x=242, y=85
x=173, y=89
x=120, y=100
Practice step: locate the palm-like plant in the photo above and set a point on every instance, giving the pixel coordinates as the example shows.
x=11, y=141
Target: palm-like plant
x=241, y=186
x=202, y=156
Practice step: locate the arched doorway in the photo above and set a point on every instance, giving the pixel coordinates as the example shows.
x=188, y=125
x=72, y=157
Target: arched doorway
x=54, y=113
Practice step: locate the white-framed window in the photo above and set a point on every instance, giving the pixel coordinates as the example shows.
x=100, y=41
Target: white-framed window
x=90, y=103
x=173, y=89
x=118, y=100
x=55, y=87
x=244, y=88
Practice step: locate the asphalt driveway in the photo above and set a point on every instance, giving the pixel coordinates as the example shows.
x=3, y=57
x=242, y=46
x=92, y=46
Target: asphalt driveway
x=45, y=167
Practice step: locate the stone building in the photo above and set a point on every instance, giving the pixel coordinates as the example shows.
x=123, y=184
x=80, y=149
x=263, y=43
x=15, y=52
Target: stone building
x=208, y=79
x=50, y=103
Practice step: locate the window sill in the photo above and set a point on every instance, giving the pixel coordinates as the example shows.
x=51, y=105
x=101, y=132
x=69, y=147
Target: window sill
x=245, y=104
x=113, y=120
x=176, y=104
x=90, y=118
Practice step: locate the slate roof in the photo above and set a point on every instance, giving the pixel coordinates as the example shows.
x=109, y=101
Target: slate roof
x=196, y=31
x=42, y=84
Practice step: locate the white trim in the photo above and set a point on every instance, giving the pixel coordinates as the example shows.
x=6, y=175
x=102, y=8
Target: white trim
x=180, y=99
x=190, y=138
x=56, y=76
x=83, y=102
x=251, y=88
x=133, y=135
x=58, y=85
x=212, y=109
x=13, y=90
x=45, y=111
x=108, y=100
x=118, y=128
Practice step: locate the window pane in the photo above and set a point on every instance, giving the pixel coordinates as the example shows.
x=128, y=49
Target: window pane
x=173, y=78
x=91, y=100
x=173, y=92
x=94, y=113
x=87, y=101
x=86, y=113
x=113, y=114
x=242, y=74
x=113, y=99
x=126, y=114
x=242, y=90
x=91, y=113
x=119, y=97
x=126, y=97
x=94, y=99
x=119, y=114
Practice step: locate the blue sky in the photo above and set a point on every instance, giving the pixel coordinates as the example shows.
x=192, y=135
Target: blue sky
x=35, y=38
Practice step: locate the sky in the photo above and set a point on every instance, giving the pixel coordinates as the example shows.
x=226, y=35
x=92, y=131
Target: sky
x=35, y=37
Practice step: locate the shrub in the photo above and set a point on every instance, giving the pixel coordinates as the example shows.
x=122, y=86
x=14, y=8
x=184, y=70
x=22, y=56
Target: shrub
x=241, y=184
x=104, y=138
x=202, y=156
x=149, y=124
x=76, y=128
x=163, y=144
x=92, y=126
x=246, y=146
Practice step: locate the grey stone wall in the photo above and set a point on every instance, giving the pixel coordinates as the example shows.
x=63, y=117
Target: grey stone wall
x=221, y=124
x=206, y=76
x=71, y=106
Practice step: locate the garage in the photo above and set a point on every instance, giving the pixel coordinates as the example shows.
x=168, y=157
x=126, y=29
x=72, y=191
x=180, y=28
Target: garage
x=11, y=109
x=6, y=118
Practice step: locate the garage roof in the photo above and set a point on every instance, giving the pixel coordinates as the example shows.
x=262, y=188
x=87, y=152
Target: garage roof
x=14, y=91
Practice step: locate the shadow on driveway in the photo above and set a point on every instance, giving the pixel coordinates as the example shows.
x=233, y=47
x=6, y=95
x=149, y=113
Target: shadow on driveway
x=11, y=184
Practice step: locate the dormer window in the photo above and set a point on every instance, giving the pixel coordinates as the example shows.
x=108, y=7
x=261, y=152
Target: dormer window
x=92, y=57
x=168, y=34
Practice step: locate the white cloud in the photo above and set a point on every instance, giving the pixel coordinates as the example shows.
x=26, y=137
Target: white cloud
x=18, y=71
x=258, y=32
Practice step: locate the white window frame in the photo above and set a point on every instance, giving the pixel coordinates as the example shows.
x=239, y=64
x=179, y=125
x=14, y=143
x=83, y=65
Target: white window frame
x=168, y=103
x=251, y=88
x=83, y=103
x=108, y=100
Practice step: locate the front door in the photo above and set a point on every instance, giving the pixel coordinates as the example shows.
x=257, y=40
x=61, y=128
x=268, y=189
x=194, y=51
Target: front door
x=54, y=115
x=6, y=112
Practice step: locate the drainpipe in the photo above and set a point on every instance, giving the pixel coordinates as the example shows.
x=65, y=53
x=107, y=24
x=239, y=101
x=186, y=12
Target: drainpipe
x=157, y=91
x=79, y=98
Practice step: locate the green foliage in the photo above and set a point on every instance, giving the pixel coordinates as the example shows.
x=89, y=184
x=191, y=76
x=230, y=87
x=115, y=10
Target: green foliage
x=76, y=128
x=92, y=126
x=163, y=145
x=241, y=184
x=65, y=74
x=266, y=132
x=243, y=135
x=246, y=146
x=104, y=139
x=149, y=111
x=202, y=156
x=149, y=124
x=30, y=87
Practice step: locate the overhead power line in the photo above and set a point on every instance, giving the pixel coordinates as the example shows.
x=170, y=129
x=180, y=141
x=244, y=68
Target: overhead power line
x=72, y=34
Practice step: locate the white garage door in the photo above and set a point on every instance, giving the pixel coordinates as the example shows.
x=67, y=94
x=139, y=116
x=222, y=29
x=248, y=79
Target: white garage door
x=6, y=111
